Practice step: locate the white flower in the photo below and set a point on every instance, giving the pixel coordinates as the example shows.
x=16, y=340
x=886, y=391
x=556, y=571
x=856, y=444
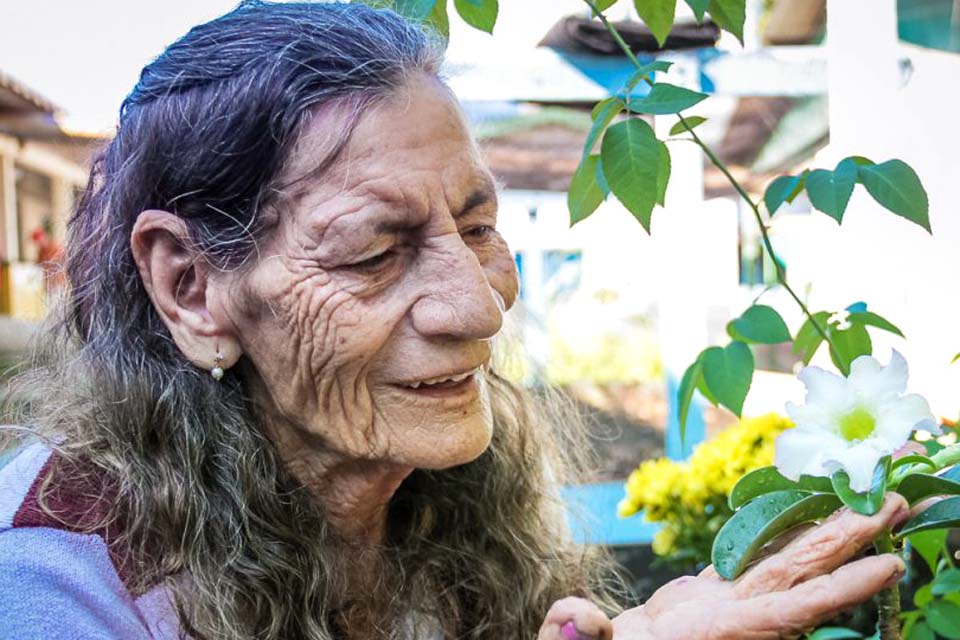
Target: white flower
x=850, y=423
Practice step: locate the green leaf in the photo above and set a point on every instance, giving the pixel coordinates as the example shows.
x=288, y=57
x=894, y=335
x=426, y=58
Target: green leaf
x=873, y=320
x=439, y=20
x=923, y=596
x=603, y=5
x=921, y=631
x=601, y=179
x=768, y=479
x=644, y=72
x=833, y=633
x=630, y=154
x=728, y=373
x=762, y=520
x=918, y=486
x=481, y=14
x=830, y=191
x=870, y=501
x=665, y=98
x=783, y=189
x=698, y=7
x=692, y=123
x=929, y=544
x=895, y=186
x=947, y=581
x=944, y=618
x=658, y=16
x=955, y=358
x=414, y=10
x=584, y=195
x=940, y=515
x=729, y=15
x=760, y=324
x=913, y=458
x=663, y=173
x=688, y=384
x=603, y=115
x=848, y=345
x=808, y=339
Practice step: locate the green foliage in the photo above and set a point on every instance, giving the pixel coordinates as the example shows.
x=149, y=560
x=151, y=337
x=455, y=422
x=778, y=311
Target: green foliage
x=603, y=115
x=939, y=515
x=759, y=324
x=833, y=633
x=729, y=15
x=665, y=99
x=870, y=319
x=645, y=74
x=762, y=520
x=692, y=123
x=630, y=153
x=584, y=194
x=808, y=339
x=603, y=5
x=728, y=374
x=699, y=7
x=943, y=617
x=945, y=582
x=481, y=14
x=894, y=185
x=918, y=486
x=658, y=16
x=929, y=544
x=848, y=344
x=868, y=502
x=830, y=191
x=783, y=189
x=767, y=480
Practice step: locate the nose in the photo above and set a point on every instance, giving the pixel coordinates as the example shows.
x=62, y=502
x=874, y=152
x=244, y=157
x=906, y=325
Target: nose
x=457, y=300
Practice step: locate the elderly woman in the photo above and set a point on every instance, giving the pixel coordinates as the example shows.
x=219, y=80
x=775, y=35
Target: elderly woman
x=268, y=410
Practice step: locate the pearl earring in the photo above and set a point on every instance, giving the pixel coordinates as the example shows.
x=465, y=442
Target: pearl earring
x=217, y=371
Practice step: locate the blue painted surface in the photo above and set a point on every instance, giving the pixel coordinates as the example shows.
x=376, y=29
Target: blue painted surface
x=592, y=514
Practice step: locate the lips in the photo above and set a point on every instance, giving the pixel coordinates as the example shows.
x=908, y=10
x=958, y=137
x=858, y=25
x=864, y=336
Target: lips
x=440, y=382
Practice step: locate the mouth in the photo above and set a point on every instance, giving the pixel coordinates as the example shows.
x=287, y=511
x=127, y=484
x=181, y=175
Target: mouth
x=443, y=386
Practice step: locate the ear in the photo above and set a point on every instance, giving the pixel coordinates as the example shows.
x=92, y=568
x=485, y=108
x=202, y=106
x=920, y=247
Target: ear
x=177, y=280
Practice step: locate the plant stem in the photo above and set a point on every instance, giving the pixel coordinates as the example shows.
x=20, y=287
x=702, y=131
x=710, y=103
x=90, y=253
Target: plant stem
x=781, y=276
x=888, y=599
x=947, y=457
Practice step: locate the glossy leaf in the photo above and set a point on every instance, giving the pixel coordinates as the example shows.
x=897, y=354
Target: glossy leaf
x=603, y=5
x=895, y=186
x=929, y=544
x=808, y=339
x=688, y=384
x=692, y=123
x=760, y=324
x=699, y=7
x=830, y=191
x=768, y=479
x=645, y=73
x=728, y=374
x=601, y=179
x=665, y=98
x=940, y=515
x=481, y=14
x=729, y=15
x=913, y=458
x=947, y=581
x=603, y=114
x=833, y=633
x=918, y=486
x=783, y=189
x=762, y=520
x=584, y=194
x=848, y=345
x=870, y=501
x=630, y=154
x=871, y=319
x=658, y=16
x=944, y=618
x=663, y=173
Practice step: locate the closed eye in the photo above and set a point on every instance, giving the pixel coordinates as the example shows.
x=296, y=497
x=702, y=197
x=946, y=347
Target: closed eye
x=373, y=261
x=479, y=232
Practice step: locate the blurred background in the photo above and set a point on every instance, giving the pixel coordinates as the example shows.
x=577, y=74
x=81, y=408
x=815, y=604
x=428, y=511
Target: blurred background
x=611, y=315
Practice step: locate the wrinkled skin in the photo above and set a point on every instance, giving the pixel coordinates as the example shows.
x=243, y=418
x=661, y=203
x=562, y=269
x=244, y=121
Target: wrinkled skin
x=387, y=270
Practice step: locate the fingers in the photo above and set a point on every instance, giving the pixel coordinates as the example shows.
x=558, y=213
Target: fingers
x=686, y=589
x=775, y=615
x=575, y=619
x=822, y=549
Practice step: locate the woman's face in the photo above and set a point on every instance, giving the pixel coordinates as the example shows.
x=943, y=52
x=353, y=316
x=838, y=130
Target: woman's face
x=373, y=302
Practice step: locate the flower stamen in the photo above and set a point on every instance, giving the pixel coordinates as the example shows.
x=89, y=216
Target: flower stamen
x=857, y=425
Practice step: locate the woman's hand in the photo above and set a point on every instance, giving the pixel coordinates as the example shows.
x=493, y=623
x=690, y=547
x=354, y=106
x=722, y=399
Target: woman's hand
x=803, y=584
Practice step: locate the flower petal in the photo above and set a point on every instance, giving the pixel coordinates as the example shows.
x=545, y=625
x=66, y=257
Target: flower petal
x=897, y=419
x=874, y=382
x=828, y=390
x=859, y=461
x=801, y=451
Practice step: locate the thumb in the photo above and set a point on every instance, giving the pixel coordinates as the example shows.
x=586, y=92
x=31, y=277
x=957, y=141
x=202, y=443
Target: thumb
x=575, y=619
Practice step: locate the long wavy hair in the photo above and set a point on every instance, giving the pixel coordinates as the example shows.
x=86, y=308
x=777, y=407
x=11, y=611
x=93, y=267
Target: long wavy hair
x=205, y=504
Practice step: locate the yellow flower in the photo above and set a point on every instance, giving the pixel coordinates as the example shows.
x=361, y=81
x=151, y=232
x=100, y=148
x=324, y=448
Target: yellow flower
x=664, y=541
